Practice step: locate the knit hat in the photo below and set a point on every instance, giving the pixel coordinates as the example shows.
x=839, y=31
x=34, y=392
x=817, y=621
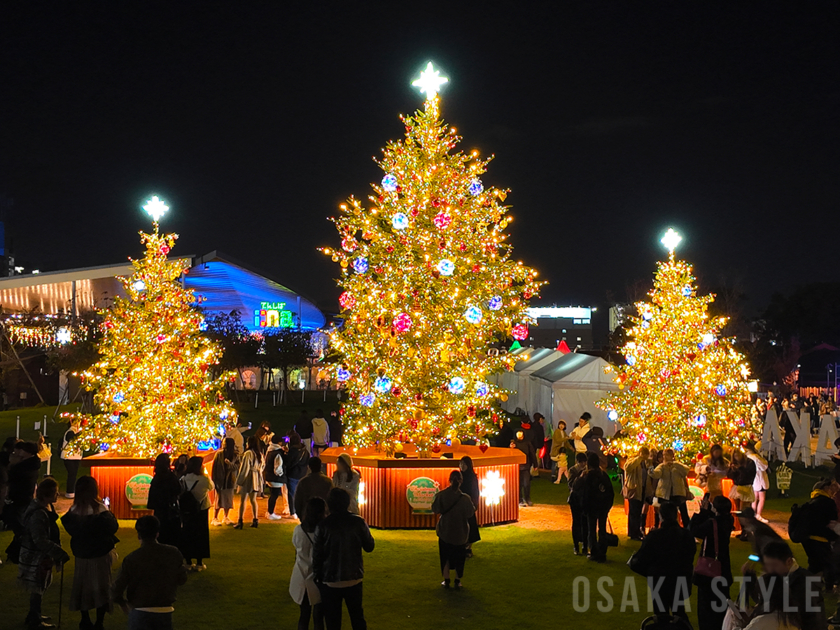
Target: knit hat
x=346, y=459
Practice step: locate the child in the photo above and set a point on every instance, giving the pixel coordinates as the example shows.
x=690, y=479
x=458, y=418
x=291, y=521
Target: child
x=560, y=467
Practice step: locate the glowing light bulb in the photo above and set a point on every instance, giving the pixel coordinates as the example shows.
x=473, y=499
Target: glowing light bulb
x=156, y=208
x=430, y=81
x=670, y=240
x=493, y=487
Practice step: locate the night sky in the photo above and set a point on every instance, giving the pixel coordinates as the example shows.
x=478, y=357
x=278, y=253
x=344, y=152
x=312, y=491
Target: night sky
x=254, y=120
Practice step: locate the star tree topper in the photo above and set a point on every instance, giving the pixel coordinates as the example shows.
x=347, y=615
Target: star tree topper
x=156, y=208
x=670, y=240
x=430, y=81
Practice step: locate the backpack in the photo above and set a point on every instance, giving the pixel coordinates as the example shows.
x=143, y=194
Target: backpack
x=799, y=524
x=188, y=503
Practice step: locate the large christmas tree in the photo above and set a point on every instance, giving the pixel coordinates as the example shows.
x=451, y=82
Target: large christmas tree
x=428, y=285
x=154, y=389
x=684, y=386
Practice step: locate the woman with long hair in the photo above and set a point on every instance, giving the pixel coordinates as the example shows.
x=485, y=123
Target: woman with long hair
x=347, y=478
x=223, y=475
x=469, y=486
x=195, y=535
x=40, y=549
x=711, y=470
x=163, y=501
x=453, y=528
x=302, y=586
x=92, y=528
x=249, y=481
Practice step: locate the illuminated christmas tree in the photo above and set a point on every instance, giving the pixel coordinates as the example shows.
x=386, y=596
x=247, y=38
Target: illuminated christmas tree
x=684, y=386
x=428, y=285
x=154, y=389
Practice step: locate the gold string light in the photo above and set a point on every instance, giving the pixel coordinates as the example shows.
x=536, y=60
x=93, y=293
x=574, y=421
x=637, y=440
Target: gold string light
x=428, y=285
x=684, y=385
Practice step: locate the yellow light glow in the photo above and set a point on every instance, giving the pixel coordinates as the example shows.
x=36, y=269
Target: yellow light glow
x=493, y=487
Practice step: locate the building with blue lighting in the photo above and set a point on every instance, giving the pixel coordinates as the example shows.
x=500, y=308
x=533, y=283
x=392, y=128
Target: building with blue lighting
x=224, y=283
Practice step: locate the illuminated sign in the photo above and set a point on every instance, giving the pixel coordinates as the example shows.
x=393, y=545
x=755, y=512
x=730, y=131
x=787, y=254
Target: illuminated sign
x=273, y=315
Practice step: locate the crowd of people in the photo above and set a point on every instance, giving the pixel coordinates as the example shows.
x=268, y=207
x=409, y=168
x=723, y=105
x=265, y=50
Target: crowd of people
x=331, y=537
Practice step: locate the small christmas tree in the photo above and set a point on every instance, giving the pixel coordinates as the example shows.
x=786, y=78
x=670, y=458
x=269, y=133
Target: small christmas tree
x=154, y=390
x=428, y=287
x=684, y=386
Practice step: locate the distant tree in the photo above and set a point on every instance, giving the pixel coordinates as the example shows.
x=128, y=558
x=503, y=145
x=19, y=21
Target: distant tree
x=239, y=347
x=287, y=349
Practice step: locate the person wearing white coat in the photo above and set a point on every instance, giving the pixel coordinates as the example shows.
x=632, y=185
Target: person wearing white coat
x=761, y=482
x=302, y=586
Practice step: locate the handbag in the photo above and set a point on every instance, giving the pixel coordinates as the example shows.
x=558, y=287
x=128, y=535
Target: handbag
x=709, y=566
x=610, y=538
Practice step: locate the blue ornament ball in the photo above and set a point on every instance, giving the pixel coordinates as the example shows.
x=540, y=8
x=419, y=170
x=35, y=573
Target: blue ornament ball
x=389, y=183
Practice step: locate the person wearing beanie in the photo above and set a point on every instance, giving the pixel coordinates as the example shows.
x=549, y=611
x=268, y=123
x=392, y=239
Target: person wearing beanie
x=348, y=478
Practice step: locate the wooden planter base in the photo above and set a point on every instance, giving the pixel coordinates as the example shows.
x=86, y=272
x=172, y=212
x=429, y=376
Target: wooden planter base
x=386, y=480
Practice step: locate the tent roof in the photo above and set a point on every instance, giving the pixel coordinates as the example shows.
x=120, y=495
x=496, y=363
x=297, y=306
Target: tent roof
x=578, y=371
x=534, y=356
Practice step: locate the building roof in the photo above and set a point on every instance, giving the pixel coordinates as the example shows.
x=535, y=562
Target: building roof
x=225, y=284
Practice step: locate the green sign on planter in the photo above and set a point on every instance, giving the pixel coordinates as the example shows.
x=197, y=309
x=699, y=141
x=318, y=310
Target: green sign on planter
x=137, y=491
x=420, y=494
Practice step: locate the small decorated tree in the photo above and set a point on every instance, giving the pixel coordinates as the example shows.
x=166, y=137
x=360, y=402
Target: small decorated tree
x=153, y=388
x=428, y=286
x=684, y=386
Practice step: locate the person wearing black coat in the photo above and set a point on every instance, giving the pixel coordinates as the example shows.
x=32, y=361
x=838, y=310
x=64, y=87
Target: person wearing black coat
x=822, y=511
x=715, y=515
x=163, y=501
x=580, y=536
x=296, y=465
x=525, y=444
x=538, y=435
x=24, y=468
x=469, y=486
x=666, y=558
x=596, y=493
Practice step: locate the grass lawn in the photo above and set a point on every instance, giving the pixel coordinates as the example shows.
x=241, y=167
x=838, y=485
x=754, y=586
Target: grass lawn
x=520, y=577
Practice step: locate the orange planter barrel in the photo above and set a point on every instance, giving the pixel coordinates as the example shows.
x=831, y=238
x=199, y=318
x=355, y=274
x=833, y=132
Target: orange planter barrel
x=385, y=480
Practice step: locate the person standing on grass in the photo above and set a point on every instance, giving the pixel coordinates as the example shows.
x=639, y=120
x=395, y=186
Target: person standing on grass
x=163, y=500
x=315, y=484
x=302, y=586
x=195, y=541
x=249, y=481
x=348, y=478
x=295, y=464
x=666, y=558
x=581, y=431
x=539, y=438
x=40, y=550
x=469, y=486
x=525, y=444
x=223, y=474
x=304, y=429
x=71, y=459
x=235, y=433
x=673, y=483
x=24, y=470
x=597, y=496
x=275, y=475
x=761, y=482
x=636, y=490
x=559, y=459
x=337, y=561
x=336, y=428
x=713, y=525
x=320, y=433
x=580, y=535
x=92, y=528
x=148, y=580
x=453, y=528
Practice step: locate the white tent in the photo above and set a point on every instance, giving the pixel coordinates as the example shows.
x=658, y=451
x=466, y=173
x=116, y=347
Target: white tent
x=562, y=386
